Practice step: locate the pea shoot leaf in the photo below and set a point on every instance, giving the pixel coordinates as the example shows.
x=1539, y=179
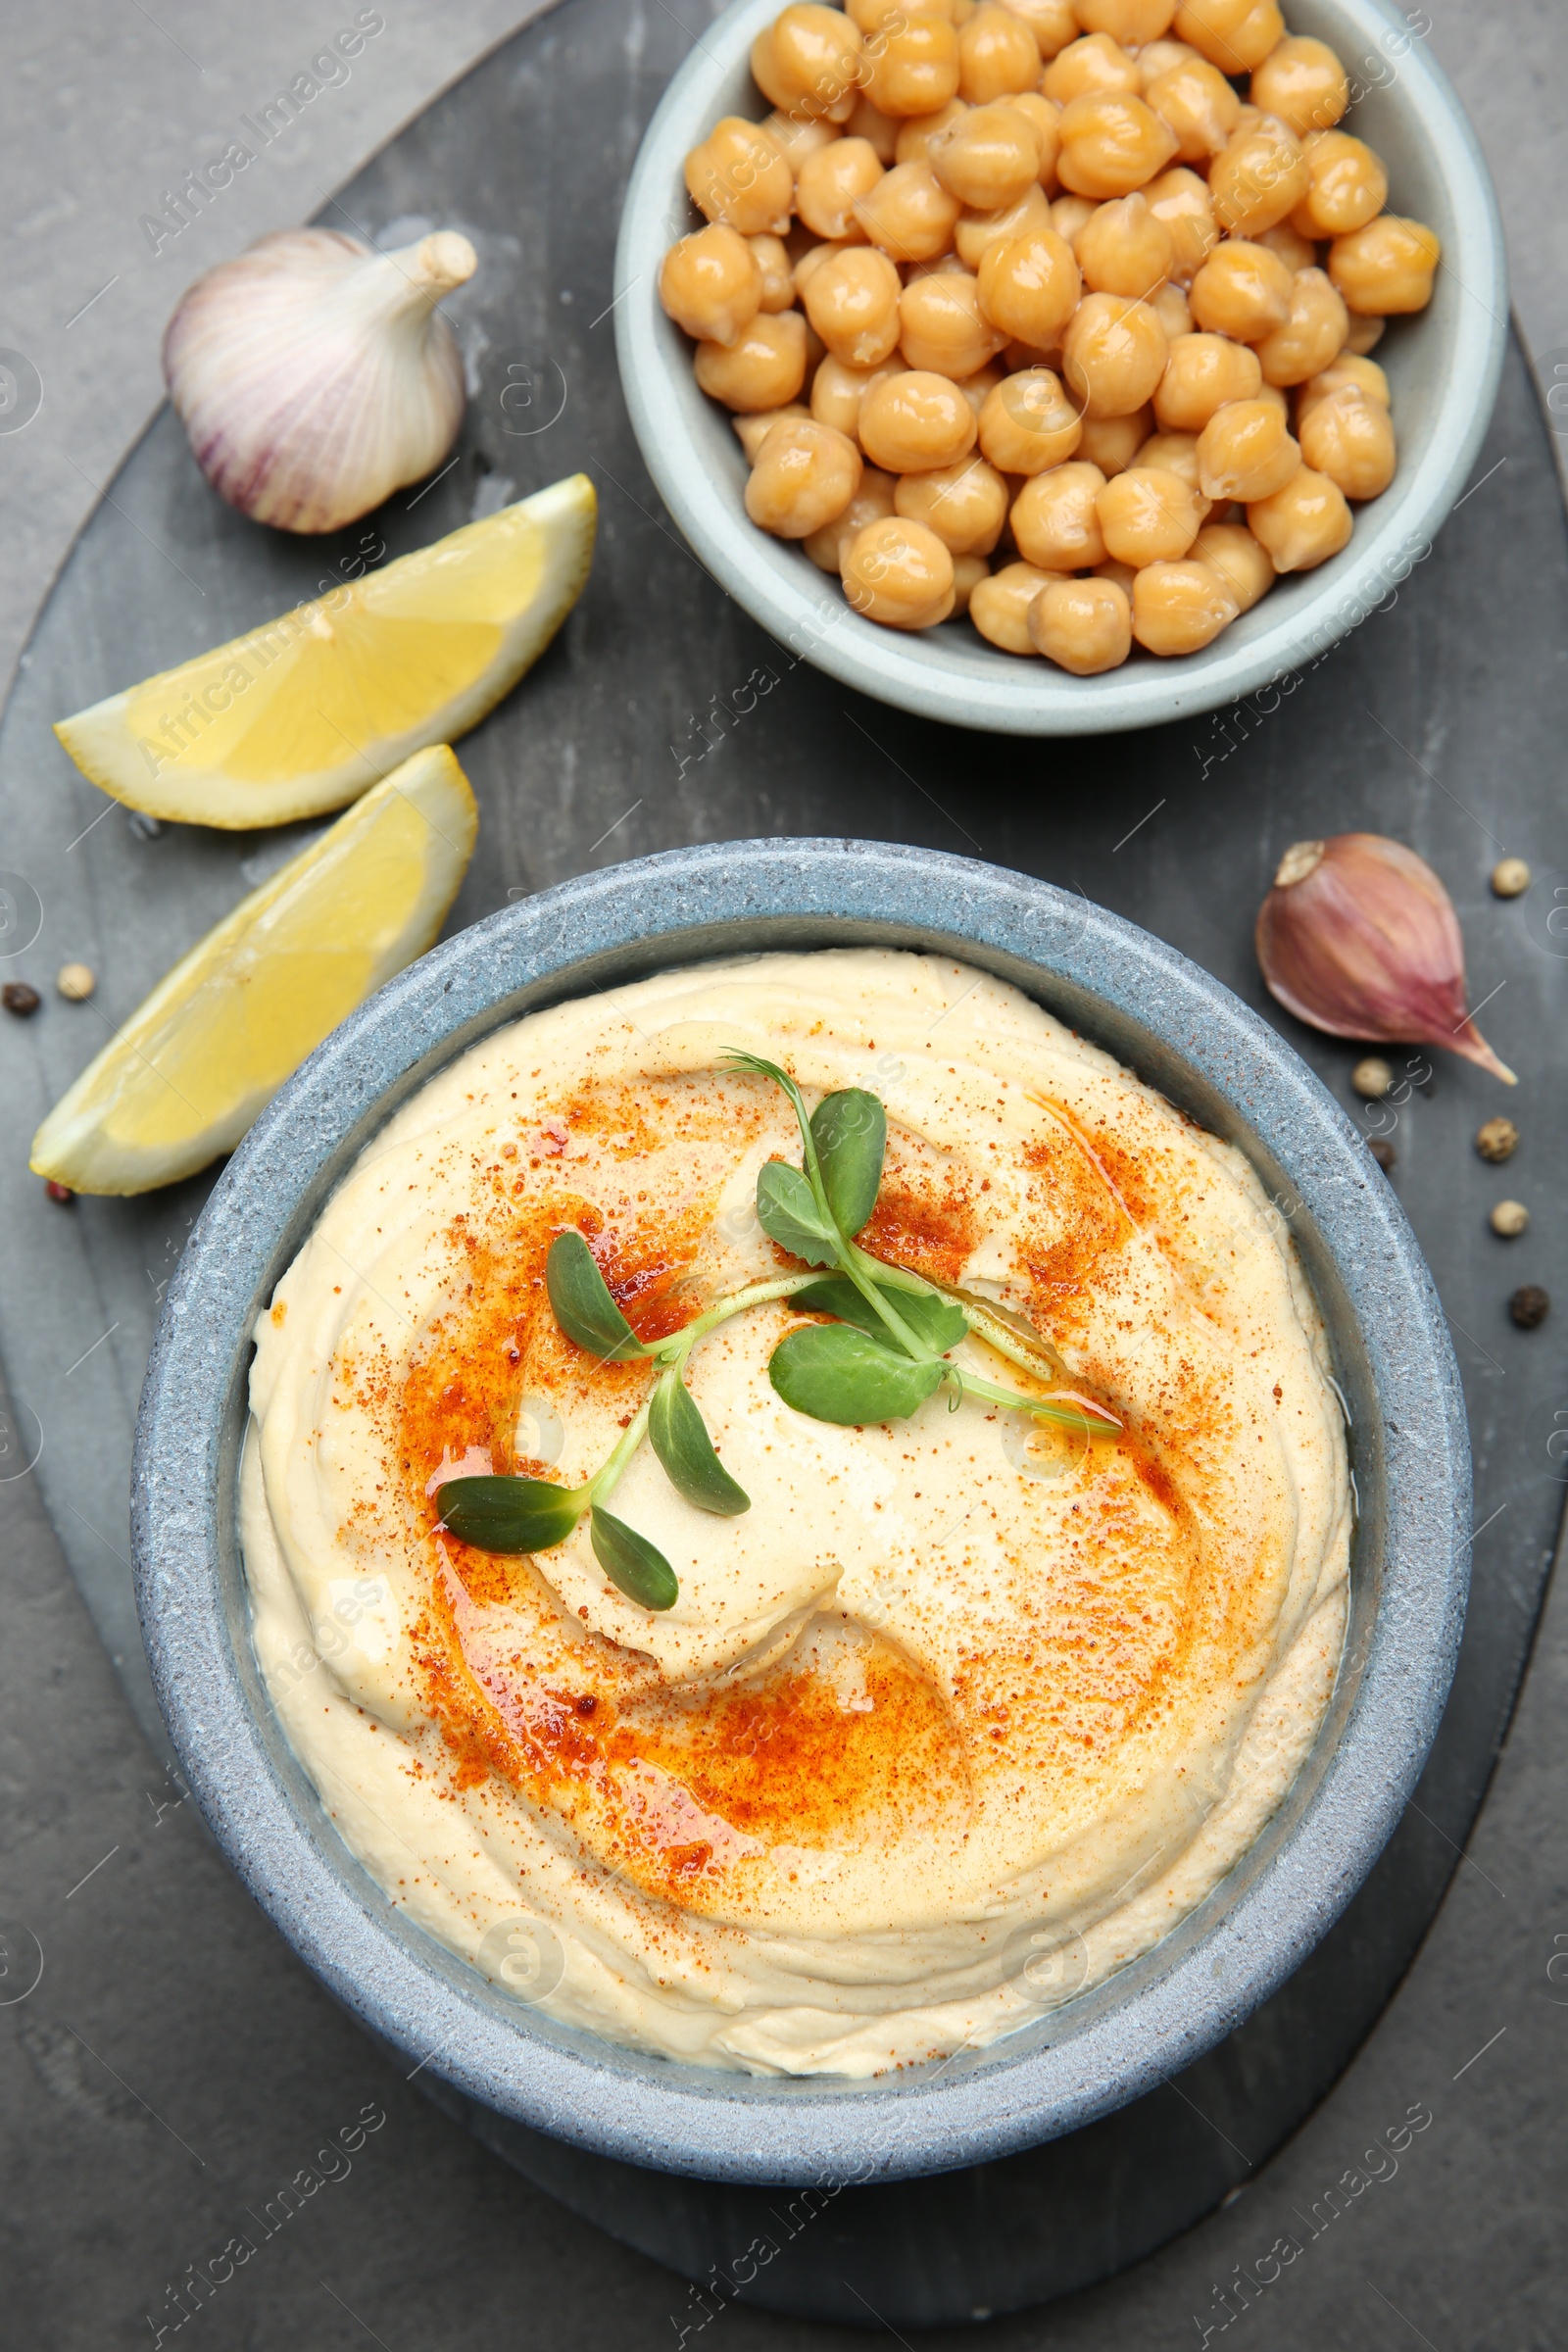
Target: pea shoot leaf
x=833, y=1372
x=509, y=1514
x=850, y=1133
x=632, y=1563
x=581, y=1300
x=788, y=1212
x=679, y=1437
x=935, y=1321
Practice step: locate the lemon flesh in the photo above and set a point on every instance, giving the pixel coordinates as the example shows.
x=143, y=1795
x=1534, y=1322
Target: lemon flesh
x=304, y=712
x=202, y=1057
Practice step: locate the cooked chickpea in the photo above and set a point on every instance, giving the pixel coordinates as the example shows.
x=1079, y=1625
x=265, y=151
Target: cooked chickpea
x=1055, y=519
x=1304, y=524
x=1202, y=373
x=1349, y=437
x=1246, y=452
x=1045, y=121
x=881, y=131
x=777, y=273
x=898, y=574
x=837, y=391
x=870, y=15
x=1366, y=335
x=1176, y=453
x=940, y=325
x=737, y=175
x=830, y=183
x=998, y=56
x=711, y=284
x=914, y=63
x=967, y=574
x=1053, y=23
x=1386, y=267
x=987, y=158
x=1363, y=375
x=1070, y=216
x=965, y=505
x=1312, y=335
x=1000, y=606
x=1295, y=251
x=1179, y=607
x=753, y=431
x=1113, y=354
x=808, y=60
x=1273, y=397
x=796, y=136
x=1112, y=143
x=1028, y=424
x=1234, y=35
x=871, y=503
x=762, y=370
x=917, y=132
x=1096, y=63
x=1146, y=516
x=1199, y=105
x=977, y=232
x=1084, y=627
x=805, y=476
x=1112, y=443
x=1132, y=23
x=1242, y=290
x=916, y=421
x=1182, y=201
x=910, y=215
x=1260, y=177
x=1174, y=311
x=1346, y=186
x=815, y=258
x=1304, y=82
x=1029, y=286
x=1123, y=574
x=1230, y=549
x=853, y=302
x=1124, y=249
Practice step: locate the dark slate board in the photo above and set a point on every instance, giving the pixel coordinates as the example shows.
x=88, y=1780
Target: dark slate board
x=1441, y=721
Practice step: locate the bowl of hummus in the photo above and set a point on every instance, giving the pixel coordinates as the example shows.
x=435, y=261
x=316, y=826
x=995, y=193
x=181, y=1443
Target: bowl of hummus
x=802, y=1507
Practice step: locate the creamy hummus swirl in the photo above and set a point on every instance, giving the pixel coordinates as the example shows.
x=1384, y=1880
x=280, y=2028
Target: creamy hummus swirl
x=964, y=1712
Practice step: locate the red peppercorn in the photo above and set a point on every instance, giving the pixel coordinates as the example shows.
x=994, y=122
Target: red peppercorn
x=59, y=1191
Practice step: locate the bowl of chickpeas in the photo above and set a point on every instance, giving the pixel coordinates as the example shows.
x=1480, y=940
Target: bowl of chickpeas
x=1059, y=366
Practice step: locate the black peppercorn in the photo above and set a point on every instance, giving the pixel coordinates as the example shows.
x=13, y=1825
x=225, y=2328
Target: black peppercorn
x=1529, y=1306
x=17, y=997
x=1383, y=1153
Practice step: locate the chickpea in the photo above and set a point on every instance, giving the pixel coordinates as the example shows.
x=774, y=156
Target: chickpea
x=753, y=431
x=1110, y=144
x=1242, y=290
x=1230, y=549
x=965, y=505
x=1176, y=453
x=871, y=503
x=805, y=476
x=1349, y=437
x=977, y=232
x=1123, y=574
x=1125, y=250
x=1028, y=424
x=1045, y=121
x=910, y=215
x=1113, y=354
x=871, y=16
x=1056, y=519
x=796, y=136
x=1112, y=442
x=1303, y=524
x=978, y=388
x=913, y=64
x=1295, y=251
x=998, y=55
x=777, y=273
x=1312, y=335
x=1258, y=178
x=987, y=158
x=1273, y=397
x=1361, y=375
x=830, y=183
x=1364, y=336
x=1246, y=452
x=898, y=574
x=967, y=574
x=1346, y=186
x=1200, y=106
x=1304, y=82
x=915, y=422
x=737, y=175
x=853, y=302
x=1084, y=627
x=1000, y=606
x=917, y=132
x=808, y=60
x=1070, y=216
x=1029, y=286
x=762, y=370
x=1146, y=516
x=1234, y=35
x=711, y=284
x=881, y=131
x=1095, y=63
x=837, y=392
x=1202, y=373
x=1051, y=22
x=1386, y=267
x=815, y=258
x=1174, y=311
x=1179, y=607
x=1182, y=201
x=940, y=325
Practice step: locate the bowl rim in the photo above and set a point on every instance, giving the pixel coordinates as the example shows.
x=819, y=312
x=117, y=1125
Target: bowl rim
x=1118, y=982
x=968, y=684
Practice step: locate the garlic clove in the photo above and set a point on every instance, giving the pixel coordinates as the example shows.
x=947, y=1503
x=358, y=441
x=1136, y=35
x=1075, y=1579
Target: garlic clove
x=1359, y=937
x=315, y=376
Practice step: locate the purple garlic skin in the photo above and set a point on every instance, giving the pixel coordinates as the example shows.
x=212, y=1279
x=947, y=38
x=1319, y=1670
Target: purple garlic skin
x=1359, y=937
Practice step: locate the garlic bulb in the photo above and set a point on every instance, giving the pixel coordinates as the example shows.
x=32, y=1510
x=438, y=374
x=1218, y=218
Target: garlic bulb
x=1359, y=937
x=314, y=376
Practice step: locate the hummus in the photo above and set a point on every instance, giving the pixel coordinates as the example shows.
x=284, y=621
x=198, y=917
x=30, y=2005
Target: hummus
x=967, y=1710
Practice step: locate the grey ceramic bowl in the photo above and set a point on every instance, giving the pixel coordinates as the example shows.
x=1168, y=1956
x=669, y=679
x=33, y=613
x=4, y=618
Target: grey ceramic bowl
x=1181, y=1030
x=1444, y=367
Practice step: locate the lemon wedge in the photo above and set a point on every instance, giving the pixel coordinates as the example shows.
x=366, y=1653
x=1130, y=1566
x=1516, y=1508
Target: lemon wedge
x=303, y=714
x=208, y=1050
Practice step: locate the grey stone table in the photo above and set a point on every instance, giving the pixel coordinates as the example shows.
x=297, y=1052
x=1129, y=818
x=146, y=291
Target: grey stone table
x=184, y=2069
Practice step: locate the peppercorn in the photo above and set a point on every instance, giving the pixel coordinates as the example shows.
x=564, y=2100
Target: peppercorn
x=17, y=997
x=76, y=982
x=59, y=1191
x=1372, y=1078
x=1383, y=1153
x=1529, y=1306
x=1509, y=1218
x=1510, y=878
x=1498, y=1138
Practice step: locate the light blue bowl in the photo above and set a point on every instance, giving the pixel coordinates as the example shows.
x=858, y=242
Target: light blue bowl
x=1443, y=367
